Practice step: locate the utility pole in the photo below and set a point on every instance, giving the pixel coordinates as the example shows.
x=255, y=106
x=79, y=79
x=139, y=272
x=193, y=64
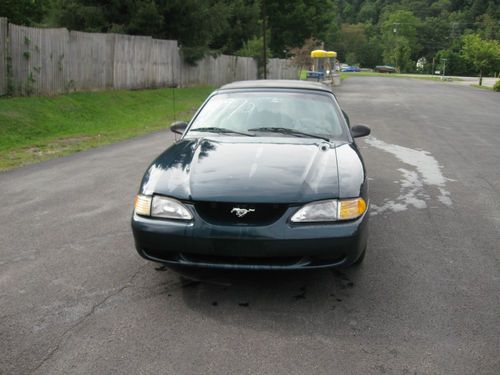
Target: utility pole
x=395, y=30
x=264, y=39
x=444, y=68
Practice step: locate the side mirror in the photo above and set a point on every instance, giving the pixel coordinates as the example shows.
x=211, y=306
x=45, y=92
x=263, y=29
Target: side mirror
x=178, y=127
x=360, y=131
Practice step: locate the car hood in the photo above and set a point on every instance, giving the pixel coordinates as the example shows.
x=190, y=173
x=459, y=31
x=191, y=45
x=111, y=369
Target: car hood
x=242, y=169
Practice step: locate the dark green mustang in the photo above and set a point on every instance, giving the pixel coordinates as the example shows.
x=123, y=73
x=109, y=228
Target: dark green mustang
x=265, y=176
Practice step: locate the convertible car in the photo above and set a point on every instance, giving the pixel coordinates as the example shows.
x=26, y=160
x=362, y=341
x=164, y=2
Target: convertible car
x=266, y=175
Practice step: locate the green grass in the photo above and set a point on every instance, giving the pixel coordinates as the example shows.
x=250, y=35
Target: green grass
x=33, y=129
x=395, y=75
x=344, y=75
x=483, y=87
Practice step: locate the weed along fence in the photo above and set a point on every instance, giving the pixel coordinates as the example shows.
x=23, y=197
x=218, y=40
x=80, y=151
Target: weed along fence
x=35, y=61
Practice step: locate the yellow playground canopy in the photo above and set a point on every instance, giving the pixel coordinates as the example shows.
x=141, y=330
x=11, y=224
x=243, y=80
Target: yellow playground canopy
x=319, y=53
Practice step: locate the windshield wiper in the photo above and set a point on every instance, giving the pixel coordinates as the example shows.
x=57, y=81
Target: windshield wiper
x=214, y=129
x=288, y=131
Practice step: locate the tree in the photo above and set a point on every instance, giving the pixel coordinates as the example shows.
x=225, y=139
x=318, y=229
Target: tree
x=351, y=43
x=301, y=56
x=371, y=55
x=440, y=8
x=195, y=24
x=398, y=53
x=455, y=63
x=434, y=34
x=22, y=12
x=400, y=38
x=483, y=54
x=488, y=27
x=146, y=20
x=368, y=12
x=402, y=23
x=243, y=24
x=78, y=15
x=364, y=31
x=253, y=48
x=292, y=21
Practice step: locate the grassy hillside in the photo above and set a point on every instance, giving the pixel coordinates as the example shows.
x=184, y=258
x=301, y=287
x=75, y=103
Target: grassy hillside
x=33, y=129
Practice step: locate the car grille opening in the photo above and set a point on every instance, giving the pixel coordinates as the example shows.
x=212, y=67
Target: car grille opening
x=235, y=261
x=222, y=213
x=243, y=261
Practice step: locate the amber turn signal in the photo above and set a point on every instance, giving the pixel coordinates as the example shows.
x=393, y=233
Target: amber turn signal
x=351, y=208
x=142, y=205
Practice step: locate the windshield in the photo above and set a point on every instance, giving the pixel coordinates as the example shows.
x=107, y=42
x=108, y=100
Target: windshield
x=266, y=112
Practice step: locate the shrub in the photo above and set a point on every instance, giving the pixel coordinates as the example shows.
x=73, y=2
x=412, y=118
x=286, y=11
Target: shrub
x=496, y=86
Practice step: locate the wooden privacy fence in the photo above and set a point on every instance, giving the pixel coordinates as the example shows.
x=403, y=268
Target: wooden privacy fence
x=3, y=56
x=35, y=61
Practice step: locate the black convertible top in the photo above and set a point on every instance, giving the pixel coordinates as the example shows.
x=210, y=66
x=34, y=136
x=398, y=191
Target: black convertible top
x=277, y=84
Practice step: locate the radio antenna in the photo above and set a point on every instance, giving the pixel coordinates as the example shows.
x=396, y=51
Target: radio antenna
x=173, y=101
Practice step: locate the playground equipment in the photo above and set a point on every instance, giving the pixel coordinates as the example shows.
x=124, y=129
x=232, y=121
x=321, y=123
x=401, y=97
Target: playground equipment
x=324, y=66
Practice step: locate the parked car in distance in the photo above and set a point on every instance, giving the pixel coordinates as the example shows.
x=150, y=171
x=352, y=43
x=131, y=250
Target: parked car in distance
x=385, y=69
x=266, y=175
x=315, y=76
x=351, y=69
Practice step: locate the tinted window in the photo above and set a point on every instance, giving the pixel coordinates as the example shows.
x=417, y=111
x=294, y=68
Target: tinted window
x=301, y=111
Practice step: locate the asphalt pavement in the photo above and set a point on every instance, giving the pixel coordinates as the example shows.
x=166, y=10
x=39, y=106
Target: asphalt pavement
x=75, y=298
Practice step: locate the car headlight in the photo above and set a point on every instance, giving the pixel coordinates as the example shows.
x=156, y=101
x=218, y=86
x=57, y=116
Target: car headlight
x=330, y=210
x=317, y=211
x=163, y=207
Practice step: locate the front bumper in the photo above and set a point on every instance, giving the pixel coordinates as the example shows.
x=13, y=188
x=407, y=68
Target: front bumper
x=280, y=245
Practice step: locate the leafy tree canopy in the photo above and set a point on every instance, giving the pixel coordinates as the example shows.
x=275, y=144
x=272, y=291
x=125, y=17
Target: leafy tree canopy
x=364, y=32
x=483, y=54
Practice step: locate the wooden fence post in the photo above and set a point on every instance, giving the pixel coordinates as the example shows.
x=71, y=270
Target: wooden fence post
x=3, y=56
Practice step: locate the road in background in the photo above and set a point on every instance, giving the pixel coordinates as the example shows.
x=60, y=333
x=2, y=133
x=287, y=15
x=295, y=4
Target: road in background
x=467, y=81
x=75, y=298
x=455, y=80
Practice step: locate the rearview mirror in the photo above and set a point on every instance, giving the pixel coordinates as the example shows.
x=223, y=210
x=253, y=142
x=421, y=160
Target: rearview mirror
x=360, y=131
x=178, y=127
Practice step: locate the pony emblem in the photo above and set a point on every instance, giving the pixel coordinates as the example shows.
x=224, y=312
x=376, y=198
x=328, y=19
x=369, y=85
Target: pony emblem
x=240, y=212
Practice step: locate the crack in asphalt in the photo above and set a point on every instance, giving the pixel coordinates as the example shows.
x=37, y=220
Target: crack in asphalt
x=64, y=336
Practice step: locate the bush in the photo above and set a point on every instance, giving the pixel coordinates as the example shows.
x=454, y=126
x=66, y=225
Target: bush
x=496, y=86
x=192, y=55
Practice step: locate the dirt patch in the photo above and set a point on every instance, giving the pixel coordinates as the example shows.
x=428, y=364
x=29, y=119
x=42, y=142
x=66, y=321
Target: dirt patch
x=42, y=152
x=59, y=146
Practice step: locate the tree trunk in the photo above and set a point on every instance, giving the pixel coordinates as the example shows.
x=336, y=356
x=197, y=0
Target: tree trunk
x=481, y=77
